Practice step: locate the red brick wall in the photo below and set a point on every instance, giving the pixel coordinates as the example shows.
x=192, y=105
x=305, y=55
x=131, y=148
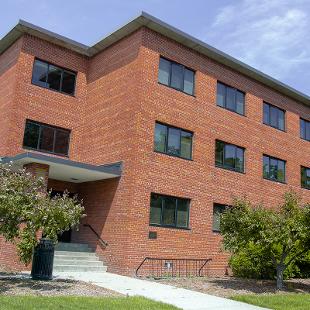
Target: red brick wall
x=112, y=118
x=8, y=64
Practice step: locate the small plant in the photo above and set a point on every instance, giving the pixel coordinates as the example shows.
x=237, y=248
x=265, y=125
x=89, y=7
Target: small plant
x=26, y=210
x=282, y=235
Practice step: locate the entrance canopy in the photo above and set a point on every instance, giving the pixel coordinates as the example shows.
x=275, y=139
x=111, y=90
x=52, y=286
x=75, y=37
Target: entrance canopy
x=67, y=170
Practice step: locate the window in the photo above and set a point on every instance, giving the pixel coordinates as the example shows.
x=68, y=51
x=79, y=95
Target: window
x=53, y=77
x=274, y=169
x=218, y=209
x=305, y=177
x=229, y=156
x=176, y=76
x=173, y=141
x=230, y=98
x=305, y=129
x=46, y=138
x=169, y=211
x=274, y=116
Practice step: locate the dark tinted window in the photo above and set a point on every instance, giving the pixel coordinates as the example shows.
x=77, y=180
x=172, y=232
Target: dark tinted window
x=230, y=98
x=273, y=116
x=32, y=134
x=305, y=177
x=176, y=76
x=218, y=209
x=40, y=72
x=169, y=211
x=229, y=156
x=305, y=129
x=156, y=207
x=68, y=83
x=174, y=145
x=61, y=141
x=273, y=169
x=46, y=138
x=173, y=141
x=53, y=77
x=160, y=140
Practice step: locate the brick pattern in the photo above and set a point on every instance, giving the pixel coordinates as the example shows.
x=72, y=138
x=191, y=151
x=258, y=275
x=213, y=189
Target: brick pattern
x=112, y=118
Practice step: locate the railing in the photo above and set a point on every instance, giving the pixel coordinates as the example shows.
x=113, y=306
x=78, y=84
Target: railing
x=102, y=242
x=172, y=267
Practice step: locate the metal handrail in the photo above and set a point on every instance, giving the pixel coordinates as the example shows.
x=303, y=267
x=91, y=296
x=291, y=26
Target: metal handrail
x=102, y=242
x=205, y=261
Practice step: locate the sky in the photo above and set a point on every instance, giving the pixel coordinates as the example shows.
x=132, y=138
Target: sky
x=272, y=36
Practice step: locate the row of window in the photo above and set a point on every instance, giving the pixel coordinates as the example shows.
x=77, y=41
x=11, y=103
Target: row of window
x=181, y=78
x=173, y=212
x=168, y=140
x=178, y=142
x=173, y=75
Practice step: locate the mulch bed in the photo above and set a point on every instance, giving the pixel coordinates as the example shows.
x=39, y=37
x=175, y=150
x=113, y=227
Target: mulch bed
x=229, y=286
x=16, y=285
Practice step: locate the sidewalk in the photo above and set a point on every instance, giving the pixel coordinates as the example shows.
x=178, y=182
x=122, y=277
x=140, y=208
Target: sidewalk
x=182, y=298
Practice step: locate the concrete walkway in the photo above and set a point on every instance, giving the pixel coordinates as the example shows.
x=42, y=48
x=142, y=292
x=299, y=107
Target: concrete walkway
x=182, y=298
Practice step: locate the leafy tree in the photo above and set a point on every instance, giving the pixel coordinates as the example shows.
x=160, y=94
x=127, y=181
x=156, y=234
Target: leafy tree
x=282, y=233
x=26, y=210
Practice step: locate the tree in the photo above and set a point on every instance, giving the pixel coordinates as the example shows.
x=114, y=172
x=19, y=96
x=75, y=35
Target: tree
x=26, y=210
x=282, y=233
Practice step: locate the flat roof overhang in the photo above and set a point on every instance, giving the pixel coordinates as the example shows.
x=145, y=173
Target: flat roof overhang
x=67, y=170
x=155, y=24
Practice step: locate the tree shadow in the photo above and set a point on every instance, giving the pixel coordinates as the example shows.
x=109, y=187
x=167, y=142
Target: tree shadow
x=260, y=286
x=10, y=285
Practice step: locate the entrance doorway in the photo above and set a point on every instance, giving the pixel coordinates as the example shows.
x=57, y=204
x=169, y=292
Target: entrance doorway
x=66, y=235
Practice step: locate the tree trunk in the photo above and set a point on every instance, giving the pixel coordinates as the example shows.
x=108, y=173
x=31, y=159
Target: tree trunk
x=280, y=271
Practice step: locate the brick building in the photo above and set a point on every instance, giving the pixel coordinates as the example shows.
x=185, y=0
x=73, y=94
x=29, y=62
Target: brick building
x=155, y=130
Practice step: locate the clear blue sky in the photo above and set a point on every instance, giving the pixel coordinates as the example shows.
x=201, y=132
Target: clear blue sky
x=270, y=35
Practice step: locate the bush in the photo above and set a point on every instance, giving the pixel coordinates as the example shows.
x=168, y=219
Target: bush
x=253, y=263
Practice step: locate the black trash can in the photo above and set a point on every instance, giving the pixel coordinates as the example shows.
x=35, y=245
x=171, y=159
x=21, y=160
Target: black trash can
x=43, y=259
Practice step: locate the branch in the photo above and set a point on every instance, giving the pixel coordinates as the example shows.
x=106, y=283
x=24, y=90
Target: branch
x=295, y=256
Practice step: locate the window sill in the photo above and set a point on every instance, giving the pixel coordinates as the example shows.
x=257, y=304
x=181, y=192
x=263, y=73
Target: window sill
x=179, y=90
x=276, y=181
x=274, y=127
x=304, y=139
x=303, y=187
x=54, y=90
x=44, y=152
x=175, y=156
x=229, y=169
x=230, y=110
x=171, y=227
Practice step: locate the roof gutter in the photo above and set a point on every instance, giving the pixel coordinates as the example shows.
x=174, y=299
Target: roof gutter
x=161, y=27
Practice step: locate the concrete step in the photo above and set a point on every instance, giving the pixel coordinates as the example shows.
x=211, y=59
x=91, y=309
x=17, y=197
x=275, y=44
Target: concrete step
x=61, y=262
x=77, y=257
x=74, y=247
x=75, y=254
x=80, y=268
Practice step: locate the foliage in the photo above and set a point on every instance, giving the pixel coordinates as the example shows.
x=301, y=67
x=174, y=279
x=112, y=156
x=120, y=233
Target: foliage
x=283, y=234
x=254, y=263
x=26, y=210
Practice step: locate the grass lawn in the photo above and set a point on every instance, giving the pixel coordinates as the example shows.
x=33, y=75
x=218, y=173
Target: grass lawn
x=278, y=301
x=76, y=303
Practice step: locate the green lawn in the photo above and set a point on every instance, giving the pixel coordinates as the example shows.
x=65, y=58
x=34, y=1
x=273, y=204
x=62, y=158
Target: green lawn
x=76, y=303
x=278, y=301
